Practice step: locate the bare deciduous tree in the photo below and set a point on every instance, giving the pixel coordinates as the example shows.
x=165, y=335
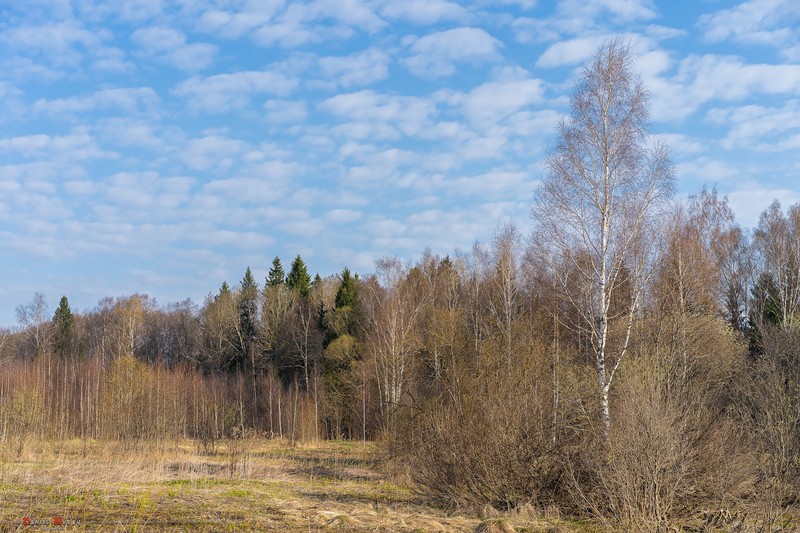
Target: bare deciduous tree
x=32, y=317
x=395, y=342
x=777, y=240
x=595, y=208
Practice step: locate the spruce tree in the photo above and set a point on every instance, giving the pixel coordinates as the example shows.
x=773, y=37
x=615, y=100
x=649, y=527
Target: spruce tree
x=63, y=321
x=276, y=274
x=346, y=294
x=298, y=278
x=248, y=308
x=224, y=291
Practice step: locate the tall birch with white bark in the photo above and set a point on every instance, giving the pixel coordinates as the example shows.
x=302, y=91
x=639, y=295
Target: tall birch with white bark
x=596, y=207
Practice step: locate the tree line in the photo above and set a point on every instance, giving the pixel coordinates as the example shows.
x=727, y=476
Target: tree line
x=634, y=358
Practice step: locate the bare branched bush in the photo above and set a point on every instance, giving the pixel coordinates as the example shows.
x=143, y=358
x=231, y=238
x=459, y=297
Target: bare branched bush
x=650, y=460
x=674, y=444
x=769, y=409
x=488, y=438
x=23, y=415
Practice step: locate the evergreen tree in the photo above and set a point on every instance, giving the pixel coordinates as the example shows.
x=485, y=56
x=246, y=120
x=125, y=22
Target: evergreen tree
x=63, y=321
x=298, y=279
x=342, y=355
x=248, y=282
x=224, y=291
x=248, y=308
x=276, y=274
x=346, y=294
x=765, y=312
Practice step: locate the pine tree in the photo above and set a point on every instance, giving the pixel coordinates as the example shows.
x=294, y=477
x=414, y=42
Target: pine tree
x=298, y=279
x=276, y=274
x=63, y=321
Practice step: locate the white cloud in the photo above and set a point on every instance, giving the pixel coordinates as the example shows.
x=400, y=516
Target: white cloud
x=250, y=190
x=580, y=49
x=303, y=23
x=169, y=46
x=127, y=100
x=582, y=17
x=211, y=151
x=387, y=116
x=80, y=187
x=750, y=199
x=25, y=145
x=679, y=143
x=124, y=10
x=570, y=52
x=290, y=34
x=522, y=4
x=495, y=184
x=238, y=239
x=621, y=10
x=424, y=11
x=112, y=60
x=377, y=167
x=76, y=145
x=764, y=22
x=132, y=132
x=138, y=9
x=493, y=101
x=729, y=78
x=25, y=70
x=532, y=30
x=708, y=78
x=361, y=68
x=57, y=40
x=342, y=216
x=145, y=196
x=234, y=24
x=285, y=111
x=351, y=12
x=705, y=170
x=225, y=92
x=437, y=54
x=759, y=127
x=582, y=12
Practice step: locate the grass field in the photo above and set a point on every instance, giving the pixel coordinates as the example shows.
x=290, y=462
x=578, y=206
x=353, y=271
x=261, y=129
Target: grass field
x=243, y=485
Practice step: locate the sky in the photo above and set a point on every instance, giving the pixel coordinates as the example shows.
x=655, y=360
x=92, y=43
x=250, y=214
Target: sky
x=161, y=147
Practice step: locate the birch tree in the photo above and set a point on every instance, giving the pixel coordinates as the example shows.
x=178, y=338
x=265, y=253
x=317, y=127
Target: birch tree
x=595, y=208
x=777, y=240
x=394, y=344
x=32, y=318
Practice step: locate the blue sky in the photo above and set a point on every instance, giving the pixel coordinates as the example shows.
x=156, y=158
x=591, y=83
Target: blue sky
x=163, y=146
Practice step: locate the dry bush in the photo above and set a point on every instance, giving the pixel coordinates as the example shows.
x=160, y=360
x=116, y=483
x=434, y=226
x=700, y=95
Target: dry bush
x=768, y=406
x=672, y=445
x=23, y=415
x=650, y=460
x=488, y=439
x=124, y=399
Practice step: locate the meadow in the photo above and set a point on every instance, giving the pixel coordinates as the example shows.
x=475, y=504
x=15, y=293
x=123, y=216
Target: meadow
x=248, y=484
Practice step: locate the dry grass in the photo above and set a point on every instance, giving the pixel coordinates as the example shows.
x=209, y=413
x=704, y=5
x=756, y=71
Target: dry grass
x=246, y=485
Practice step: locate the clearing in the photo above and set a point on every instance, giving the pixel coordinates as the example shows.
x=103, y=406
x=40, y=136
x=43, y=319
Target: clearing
x=242, y=485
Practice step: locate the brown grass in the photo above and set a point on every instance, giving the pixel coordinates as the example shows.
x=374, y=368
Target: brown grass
x=246, y=485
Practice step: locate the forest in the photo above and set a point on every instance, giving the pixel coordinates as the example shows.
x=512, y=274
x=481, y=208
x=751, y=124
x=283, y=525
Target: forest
x=632, y=359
